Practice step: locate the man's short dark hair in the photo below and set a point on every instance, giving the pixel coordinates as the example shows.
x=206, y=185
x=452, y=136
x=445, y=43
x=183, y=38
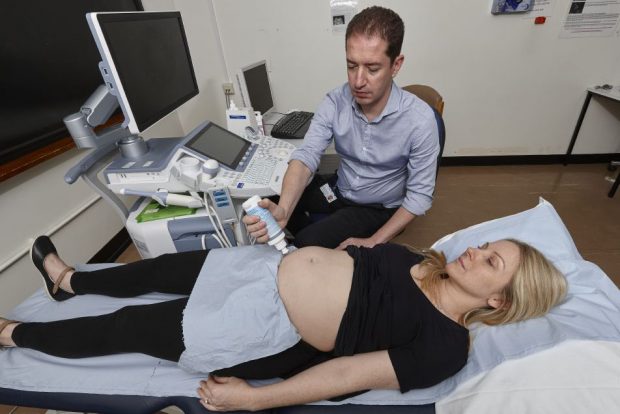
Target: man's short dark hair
x=382, y=22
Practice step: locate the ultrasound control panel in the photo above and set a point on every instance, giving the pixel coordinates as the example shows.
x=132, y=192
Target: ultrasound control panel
x=187, y=164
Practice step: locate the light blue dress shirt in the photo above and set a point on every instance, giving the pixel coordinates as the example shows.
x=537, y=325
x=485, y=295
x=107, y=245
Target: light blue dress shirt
x=391, y=160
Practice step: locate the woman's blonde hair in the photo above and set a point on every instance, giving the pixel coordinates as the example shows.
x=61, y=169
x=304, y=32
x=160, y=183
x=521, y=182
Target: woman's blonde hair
x=536, y=286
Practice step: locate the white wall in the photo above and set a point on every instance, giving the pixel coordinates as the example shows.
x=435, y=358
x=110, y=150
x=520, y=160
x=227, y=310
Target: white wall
x=209, y=65
x=38, y=201
x=510, y=87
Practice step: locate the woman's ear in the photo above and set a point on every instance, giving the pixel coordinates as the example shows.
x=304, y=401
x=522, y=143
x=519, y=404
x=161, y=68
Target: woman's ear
x=498, y=301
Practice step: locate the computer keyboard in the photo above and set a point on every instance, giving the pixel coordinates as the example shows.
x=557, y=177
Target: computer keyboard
x=292, y=125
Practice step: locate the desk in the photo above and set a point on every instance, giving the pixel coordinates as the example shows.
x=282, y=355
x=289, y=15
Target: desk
x=614, y=95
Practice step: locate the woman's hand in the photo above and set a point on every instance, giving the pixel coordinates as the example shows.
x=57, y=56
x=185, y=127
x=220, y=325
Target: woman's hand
x=226, y=394
x=338, y=376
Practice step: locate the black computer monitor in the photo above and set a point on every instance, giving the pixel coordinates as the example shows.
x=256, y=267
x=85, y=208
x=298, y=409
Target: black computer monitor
x=146, y=63
x=255, y=87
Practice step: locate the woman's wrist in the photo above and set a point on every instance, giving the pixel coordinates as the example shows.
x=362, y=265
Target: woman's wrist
x=255, y=402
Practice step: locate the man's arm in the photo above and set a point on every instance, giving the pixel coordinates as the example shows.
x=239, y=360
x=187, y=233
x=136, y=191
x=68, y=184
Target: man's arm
x=295, y=181
x=387, y=232
x=333, y=378
x=305, y=160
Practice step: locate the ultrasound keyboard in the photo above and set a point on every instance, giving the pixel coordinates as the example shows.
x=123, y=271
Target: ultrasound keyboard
x=266, y=170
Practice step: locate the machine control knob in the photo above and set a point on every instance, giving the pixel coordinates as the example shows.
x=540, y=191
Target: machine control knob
x=210, y=168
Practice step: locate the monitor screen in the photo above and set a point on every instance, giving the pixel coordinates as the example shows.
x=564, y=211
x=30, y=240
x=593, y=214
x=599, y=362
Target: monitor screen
x=146, y=58
x=219, y=144
x=257, y=87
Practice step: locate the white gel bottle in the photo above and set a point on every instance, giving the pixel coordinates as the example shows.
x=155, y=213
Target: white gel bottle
x=275, y=233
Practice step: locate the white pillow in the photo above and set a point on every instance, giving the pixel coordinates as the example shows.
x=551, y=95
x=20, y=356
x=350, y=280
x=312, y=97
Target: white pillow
x=574, y=377
x=540, y=227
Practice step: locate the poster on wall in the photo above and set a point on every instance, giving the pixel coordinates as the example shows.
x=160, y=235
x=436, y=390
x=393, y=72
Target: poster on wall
x=511, y=6
x=342, y=11
x=591, y=18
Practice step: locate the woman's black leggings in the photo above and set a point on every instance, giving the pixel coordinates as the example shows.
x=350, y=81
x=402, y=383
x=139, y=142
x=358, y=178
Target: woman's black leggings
x=154, y=329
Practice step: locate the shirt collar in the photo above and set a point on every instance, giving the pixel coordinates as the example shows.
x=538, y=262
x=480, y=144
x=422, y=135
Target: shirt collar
x=391, y=106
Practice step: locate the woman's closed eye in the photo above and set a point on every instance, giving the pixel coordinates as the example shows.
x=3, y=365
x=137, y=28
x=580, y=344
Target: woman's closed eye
x=484, y=246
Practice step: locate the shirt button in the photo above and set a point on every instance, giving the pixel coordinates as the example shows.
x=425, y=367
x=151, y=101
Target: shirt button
x=364, y=148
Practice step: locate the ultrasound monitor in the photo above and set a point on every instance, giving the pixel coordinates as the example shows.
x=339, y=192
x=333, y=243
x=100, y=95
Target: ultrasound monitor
x=146, y=63
x=255, y=87
x=219, y=144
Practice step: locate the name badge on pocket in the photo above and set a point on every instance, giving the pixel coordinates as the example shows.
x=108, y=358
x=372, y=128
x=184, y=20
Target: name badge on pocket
x=328, y=193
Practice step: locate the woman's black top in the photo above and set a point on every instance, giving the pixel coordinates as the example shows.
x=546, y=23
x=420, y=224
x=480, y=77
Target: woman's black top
x=386, y=311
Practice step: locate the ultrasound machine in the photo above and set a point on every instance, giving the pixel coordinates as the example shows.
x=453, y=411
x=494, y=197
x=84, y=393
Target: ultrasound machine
x=147, y=70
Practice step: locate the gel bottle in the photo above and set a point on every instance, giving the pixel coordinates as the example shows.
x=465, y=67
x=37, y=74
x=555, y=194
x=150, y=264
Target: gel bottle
x=275, y=233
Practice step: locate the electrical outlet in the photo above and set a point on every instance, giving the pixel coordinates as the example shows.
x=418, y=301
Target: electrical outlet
x=228, y=88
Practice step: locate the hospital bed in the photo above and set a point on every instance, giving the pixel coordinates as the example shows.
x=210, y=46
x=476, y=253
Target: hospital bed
x=567, y=361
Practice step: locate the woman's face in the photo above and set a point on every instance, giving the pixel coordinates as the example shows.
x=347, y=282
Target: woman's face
x=484, y=271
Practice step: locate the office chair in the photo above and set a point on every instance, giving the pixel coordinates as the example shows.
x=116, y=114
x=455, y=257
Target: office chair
x=435, y=101
x=428, y=95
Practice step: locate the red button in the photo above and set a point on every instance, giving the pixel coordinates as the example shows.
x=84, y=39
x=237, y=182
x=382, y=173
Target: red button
x=540, y=20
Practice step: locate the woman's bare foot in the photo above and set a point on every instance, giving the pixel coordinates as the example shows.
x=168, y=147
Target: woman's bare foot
x=6, y=332
x=54, y=266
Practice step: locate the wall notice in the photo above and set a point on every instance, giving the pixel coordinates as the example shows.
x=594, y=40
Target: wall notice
x=541, y=8
x=342, y=11
x=591, y=18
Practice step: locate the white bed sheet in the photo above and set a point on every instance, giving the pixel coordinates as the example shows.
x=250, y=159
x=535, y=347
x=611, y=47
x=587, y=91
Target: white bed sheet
x=574, y=377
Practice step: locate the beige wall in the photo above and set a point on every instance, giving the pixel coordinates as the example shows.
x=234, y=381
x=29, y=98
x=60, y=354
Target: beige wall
x=511, y=87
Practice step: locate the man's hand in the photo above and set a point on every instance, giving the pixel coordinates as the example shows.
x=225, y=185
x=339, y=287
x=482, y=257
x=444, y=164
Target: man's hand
x=226, y=394
x=257, y=228
x=354, y=241
x=389, y=230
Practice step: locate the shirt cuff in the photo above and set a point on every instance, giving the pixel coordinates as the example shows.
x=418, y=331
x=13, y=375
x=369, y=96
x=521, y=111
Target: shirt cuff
x=309, y=161
x=417, y=205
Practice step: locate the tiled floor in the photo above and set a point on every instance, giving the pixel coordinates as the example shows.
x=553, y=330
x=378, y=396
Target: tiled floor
x=470, y=195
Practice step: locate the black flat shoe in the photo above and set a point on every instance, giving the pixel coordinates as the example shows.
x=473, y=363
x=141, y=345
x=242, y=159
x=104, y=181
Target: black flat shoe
x=42, y=247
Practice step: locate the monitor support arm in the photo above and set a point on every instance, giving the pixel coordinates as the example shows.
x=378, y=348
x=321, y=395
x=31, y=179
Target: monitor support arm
x=96, y=111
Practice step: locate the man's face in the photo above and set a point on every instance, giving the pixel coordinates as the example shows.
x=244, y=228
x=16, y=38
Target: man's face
x=370, y=72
